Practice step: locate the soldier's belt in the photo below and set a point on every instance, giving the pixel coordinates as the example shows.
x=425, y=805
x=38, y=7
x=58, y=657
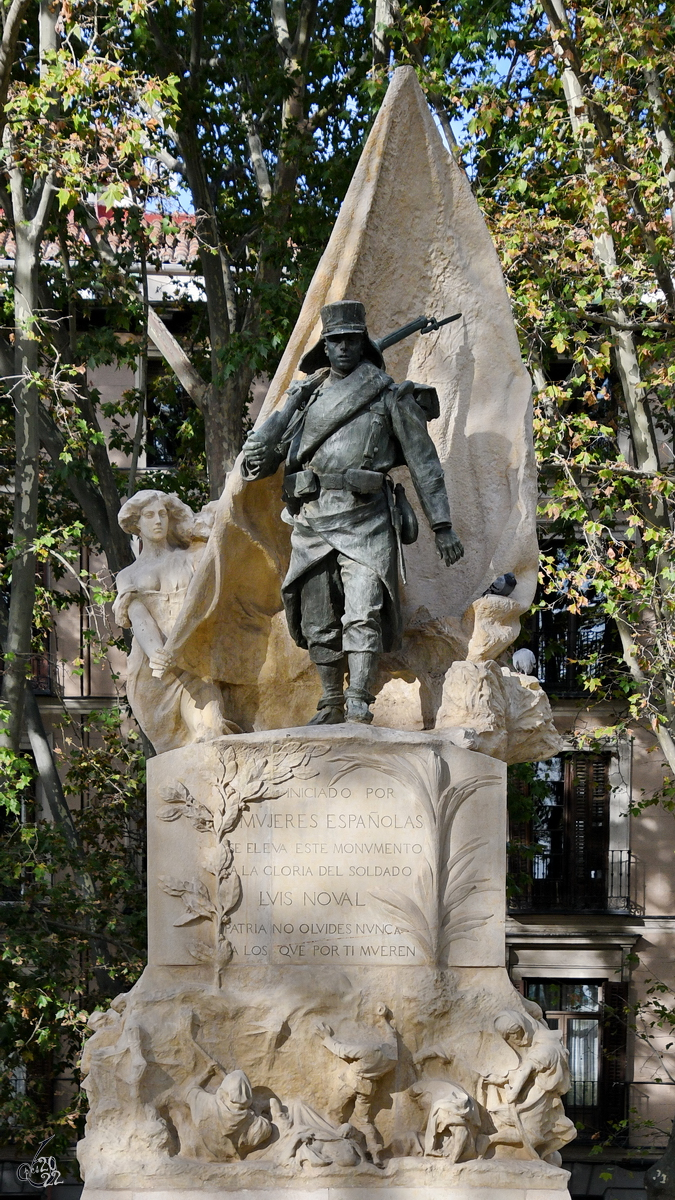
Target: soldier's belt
x=354, y=480
x=307, y=484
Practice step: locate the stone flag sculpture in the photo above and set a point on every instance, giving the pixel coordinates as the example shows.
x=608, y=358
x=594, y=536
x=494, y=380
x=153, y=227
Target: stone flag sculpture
x=409, y=239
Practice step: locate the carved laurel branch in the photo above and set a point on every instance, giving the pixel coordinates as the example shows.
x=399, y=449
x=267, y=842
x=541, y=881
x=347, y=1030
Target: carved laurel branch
x=447, y=879
x=244, y=778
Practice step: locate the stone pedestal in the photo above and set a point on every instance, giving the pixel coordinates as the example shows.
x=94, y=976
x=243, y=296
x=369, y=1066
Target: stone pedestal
x=326, y=1007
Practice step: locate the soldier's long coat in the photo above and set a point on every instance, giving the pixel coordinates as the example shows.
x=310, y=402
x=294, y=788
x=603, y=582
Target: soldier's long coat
x=330, y=435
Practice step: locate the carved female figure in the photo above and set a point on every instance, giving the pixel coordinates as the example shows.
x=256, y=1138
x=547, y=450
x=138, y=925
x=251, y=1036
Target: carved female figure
x=530, y=1113
x=173, y=707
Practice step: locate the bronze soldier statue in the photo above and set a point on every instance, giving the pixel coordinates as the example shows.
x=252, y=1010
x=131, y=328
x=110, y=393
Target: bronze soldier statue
x=340, y=432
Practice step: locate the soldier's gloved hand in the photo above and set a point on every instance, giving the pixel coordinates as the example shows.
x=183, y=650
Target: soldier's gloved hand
x=449, y=547
x=254, y=453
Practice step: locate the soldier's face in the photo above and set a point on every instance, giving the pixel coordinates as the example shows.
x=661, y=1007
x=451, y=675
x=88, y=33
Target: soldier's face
x=345, y=351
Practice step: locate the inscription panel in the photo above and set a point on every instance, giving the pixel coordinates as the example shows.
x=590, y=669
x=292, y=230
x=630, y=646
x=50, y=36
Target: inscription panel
x=313, y=865
x=386, y=850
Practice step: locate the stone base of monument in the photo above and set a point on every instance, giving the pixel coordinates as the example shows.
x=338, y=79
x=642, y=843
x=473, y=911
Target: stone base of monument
x=326, y=1007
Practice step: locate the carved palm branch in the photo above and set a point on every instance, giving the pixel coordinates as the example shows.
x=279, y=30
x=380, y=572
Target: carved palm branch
x=445, y=882
x=461, y=883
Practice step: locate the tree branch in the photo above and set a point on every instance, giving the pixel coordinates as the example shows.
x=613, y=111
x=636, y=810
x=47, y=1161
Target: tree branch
x=10, y=37
x=37, y=225
x=303, y=32
x=280, y=23
x=166, y=49
x=385, y=13
x=230, y=295
x=197, y=36
x=258, y=163
x=664, y=135
x=99, y=242
x=164, y=340
x=17, y=193
x=564, y=45
x=663, y=735
x=168, y=159
x=114, y=541
x=630, y=327
x=617, y=468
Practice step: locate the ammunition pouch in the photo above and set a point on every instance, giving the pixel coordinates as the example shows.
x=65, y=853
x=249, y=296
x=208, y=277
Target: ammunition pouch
x=364, y=482
x=407, y=521
x=305, y=485
x=302, y=485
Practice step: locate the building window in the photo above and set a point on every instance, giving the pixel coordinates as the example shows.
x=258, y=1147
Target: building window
x=560, y=859
x=590, y=1018
x=570, y=647
x=168, y=410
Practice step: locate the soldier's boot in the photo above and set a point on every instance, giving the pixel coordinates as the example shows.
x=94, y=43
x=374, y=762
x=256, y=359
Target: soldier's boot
x=331, y=706
x=358, y=696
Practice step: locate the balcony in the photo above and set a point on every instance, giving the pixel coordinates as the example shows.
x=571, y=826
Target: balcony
x=542, y=882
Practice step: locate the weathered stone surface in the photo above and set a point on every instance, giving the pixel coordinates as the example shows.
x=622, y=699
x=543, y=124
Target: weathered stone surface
x=326, y=998
x=506, y=715
x=405, y=242
x=529, y=721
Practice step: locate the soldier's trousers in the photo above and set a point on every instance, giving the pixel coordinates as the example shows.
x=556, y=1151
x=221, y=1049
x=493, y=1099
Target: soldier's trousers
x=341, y=608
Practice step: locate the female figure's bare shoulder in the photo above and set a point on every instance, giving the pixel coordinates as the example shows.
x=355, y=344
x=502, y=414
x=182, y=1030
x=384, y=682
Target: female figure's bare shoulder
x=128, y=577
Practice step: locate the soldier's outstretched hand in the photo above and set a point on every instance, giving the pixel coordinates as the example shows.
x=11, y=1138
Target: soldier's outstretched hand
x=449, y=547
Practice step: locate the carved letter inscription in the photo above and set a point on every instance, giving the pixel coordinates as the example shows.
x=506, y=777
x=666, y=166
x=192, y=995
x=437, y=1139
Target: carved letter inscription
x=306, y=854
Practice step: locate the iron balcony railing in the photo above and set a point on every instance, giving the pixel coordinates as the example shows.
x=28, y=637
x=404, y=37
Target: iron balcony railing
x=541, y=881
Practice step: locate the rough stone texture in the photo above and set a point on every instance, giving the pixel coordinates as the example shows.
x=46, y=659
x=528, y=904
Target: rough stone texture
x=509, y=714
x=407, y=241
x=326, y=944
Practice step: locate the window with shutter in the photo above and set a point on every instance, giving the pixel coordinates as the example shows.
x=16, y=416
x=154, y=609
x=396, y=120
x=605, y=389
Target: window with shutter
x=560, y=859
x=586, y=816
x=589, y=1014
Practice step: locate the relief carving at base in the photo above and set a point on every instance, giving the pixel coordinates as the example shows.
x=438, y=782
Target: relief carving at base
x=211, y=1114
x=326, y=990
x=525, y=1102
x=370, y=1056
